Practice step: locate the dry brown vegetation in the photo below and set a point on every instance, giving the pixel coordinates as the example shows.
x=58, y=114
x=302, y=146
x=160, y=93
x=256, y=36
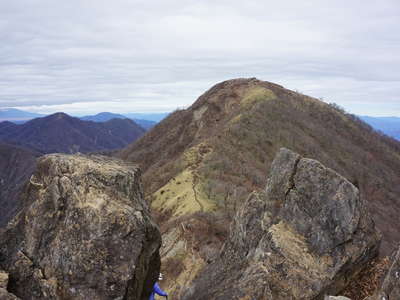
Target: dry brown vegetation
x=243, y=123
x=369, y=279
x=243, y=143
x=189, y=242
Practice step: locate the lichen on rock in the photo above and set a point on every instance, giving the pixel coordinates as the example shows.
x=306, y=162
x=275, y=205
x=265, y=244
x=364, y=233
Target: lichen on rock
x=85, y=233
x=303, y=237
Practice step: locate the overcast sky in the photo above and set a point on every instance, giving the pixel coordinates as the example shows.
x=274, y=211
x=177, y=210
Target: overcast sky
x=81, y=56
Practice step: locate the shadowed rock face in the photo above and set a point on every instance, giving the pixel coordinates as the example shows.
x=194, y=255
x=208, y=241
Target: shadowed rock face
x=4, y=294
x=303, y=237
x=85, y=233
x=390, y=288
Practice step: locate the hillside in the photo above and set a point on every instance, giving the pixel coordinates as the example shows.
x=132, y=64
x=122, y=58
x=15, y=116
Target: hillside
x=62, y=133
x=16, y=166
x=7, y=125
x=200, y=164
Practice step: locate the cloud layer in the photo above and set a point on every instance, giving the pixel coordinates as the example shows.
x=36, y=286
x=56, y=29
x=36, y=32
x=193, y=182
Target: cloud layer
x=86, y=56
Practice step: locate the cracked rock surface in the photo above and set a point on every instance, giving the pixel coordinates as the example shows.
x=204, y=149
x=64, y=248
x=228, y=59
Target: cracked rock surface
x=304, y=237
x=85, y=233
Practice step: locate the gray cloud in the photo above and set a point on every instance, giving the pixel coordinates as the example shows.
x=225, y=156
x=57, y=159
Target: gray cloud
x=125, y=55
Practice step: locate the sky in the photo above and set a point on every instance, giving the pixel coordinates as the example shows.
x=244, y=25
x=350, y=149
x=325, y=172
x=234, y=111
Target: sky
x=88, y=56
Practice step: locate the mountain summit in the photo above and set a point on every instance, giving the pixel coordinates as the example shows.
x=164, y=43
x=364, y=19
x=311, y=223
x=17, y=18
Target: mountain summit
x=201, y=163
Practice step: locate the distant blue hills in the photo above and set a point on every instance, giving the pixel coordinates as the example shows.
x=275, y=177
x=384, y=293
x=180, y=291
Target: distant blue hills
x=107, y=116
x=145, y=120
x=388, y=125
x=13, y=114
x=156, y=117
x=102, y=117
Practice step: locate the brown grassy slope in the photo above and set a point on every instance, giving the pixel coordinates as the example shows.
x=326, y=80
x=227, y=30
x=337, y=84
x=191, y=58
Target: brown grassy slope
x=368, y=280
x=239, y=125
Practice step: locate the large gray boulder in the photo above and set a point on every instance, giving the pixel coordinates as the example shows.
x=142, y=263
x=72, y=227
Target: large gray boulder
x=85, y=233
x=304, y=237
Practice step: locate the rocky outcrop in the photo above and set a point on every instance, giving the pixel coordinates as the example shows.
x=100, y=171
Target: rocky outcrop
x=304, y=237
x=4, y=294
x=390, y=288
x=85, y=233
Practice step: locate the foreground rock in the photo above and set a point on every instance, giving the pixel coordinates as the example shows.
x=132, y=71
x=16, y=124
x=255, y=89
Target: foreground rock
x=303, y=238
x=85, y=233
x=4, y=294
x=390, y=288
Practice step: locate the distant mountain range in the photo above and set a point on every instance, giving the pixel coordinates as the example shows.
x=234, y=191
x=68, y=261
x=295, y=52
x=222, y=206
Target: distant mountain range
x=151, y=118
x=156, y=117
x=12, y=114
x=21, y=144
x=62, y=133
x=102, y=117
x=145, y=120
x=107, y=116
x=388, y=125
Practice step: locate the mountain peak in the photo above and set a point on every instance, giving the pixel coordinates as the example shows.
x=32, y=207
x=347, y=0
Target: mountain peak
x=59, y=116
x=235, y=90
x=201, y=163
x=102, y=117
x=43, y=134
